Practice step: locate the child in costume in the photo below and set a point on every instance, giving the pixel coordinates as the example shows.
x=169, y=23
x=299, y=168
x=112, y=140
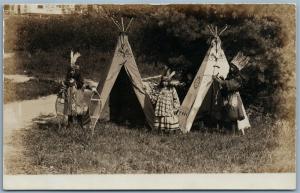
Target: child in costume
x=166, y=104
x=72, y=92
x=231, y=102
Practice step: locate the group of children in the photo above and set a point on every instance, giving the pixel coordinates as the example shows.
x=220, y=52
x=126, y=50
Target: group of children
x=166, y=101
x=229, y=104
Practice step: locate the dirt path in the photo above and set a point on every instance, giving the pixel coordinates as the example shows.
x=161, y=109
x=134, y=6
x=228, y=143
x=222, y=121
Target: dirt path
x=18, y=78
x=16, y=117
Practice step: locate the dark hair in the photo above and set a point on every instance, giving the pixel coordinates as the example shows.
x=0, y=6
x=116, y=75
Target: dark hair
x=236, y=74
x=160, y=85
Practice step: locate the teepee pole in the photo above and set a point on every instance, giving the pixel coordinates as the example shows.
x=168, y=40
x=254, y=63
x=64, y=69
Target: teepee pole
x=210, y=29
x=122, y=36
x=223, y=30
x=119, y=24
x=128, y=25
x=122, y=22
x=116, y=24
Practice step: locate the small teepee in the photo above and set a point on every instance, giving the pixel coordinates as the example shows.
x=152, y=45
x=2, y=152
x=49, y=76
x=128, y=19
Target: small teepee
x=214, y=63
x=123, y=61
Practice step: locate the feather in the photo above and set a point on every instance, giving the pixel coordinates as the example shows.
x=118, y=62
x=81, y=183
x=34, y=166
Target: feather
x=240, y=60
x=74, y=57
x=171, y=75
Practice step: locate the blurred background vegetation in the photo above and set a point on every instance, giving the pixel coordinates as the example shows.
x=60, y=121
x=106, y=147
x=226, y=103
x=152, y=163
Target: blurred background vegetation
x=172, y=35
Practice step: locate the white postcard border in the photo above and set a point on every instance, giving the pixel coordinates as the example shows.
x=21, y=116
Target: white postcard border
x=259, y=181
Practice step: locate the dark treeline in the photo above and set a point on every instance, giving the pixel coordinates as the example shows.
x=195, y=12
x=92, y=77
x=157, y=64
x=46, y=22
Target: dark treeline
x=176, y=36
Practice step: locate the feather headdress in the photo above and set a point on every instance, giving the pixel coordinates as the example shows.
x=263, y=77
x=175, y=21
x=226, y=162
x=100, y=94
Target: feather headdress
x=168, y=75
x=240, y=61
x=74, y=58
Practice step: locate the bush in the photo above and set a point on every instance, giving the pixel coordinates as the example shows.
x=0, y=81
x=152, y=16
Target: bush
x=176, y=36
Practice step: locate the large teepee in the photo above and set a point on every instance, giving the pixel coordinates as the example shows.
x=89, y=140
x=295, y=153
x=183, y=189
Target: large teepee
x=123, y=59
x=214, y=63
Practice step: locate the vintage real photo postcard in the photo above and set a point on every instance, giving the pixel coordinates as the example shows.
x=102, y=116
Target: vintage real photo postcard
x=189, y=96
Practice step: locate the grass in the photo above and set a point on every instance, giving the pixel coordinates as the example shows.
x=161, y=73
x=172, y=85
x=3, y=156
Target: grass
x=118, y=149
x=31, y=89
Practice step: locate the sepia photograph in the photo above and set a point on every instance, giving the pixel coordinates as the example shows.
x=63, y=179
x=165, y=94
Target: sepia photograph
x=145, y=96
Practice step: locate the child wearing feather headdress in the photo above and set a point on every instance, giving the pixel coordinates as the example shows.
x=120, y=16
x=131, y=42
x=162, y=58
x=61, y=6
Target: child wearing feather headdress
x=73, y=74
x=72, y=82
x=231, y=102
x=166, y=104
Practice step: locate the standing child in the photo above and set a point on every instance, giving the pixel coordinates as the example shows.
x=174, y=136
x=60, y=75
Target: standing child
x=166, y=105
x=72, y=84
x=231, y=110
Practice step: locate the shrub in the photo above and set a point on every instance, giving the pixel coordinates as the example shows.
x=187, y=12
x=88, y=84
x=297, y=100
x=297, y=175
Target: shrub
x=176, y=36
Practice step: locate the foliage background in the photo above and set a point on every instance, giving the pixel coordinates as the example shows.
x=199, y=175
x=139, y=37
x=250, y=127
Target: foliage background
x=173, y=35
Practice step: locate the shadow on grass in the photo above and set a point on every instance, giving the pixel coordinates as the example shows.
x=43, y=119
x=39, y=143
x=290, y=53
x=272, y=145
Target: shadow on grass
x=120, y=149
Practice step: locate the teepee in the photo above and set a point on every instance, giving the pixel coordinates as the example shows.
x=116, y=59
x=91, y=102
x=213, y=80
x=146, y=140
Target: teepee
x=214, y=63
x=123, y=60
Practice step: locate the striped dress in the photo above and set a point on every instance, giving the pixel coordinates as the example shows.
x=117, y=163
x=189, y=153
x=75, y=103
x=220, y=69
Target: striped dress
x=166, y=106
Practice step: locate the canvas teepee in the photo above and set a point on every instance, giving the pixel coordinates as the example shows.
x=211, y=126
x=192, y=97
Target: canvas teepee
x=123, y=60
x=214, y=63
